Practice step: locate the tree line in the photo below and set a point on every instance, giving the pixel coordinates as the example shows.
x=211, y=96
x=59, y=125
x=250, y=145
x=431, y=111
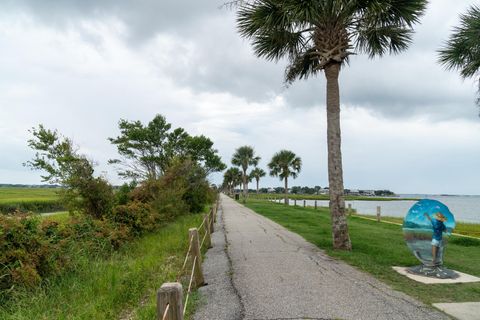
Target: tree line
x=284, y=164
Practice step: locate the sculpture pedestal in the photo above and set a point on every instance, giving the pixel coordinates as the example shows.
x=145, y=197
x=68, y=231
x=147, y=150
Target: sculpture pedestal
x=462, y=277
x=438, y=272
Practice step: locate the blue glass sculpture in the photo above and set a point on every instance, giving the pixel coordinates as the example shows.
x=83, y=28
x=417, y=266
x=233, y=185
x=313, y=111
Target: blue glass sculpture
x=425, y=228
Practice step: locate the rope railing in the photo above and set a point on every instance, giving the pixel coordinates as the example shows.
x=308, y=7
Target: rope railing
x=165, y=313
x=170, y=304
x=189, y=286
x=203, y=240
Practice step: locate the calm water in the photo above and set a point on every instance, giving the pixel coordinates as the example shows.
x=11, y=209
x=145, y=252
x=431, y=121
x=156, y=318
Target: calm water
x=464, y=208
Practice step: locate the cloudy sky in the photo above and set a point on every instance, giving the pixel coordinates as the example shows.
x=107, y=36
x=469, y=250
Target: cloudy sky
x=81, y=65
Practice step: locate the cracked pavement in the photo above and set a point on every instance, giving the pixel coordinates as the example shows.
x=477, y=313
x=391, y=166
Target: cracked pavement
x=270, y=273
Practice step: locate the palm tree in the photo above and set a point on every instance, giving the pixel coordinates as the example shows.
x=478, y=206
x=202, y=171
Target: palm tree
x=232, y=178
x=462, y=50
x=285, y=164
x=245, y=157
x=256, y=174
x=321, y=35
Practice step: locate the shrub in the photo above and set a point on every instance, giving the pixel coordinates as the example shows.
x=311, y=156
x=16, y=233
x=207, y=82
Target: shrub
x=137, y=216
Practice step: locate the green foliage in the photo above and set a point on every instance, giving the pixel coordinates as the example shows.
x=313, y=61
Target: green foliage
x=315, y=34
x=138, y=217
x=81, y=191
x=32, y=249
x=148, y=150
x=232, y=178
x=100, y=288
x=123, y=193
x=38, y=206
x=462, y=50
x=285, y=164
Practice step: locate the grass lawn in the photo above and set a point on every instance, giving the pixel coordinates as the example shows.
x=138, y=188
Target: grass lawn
x=379, y=246
x=124, y=284
x=9, y=195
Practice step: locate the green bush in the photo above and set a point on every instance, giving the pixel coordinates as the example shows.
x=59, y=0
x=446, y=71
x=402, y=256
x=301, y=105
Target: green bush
x=137, y=216
x=32, y=249
x=37, y=206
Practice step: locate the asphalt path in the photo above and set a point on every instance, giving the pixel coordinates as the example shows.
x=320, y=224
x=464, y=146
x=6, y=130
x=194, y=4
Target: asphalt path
x=260, y=270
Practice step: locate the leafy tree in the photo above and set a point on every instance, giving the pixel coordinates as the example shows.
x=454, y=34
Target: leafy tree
x=148, y=150
x=462, y=50
x=285, y=164
x=244, y=157
x=256, y=174
x=319, y=36
x=81, y=191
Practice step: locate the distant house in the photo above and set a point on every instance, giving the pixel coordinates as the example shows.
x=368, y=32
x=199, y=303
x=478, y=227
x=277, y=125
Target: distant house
x=323, y=191
x=367, y=192
x=354, y=192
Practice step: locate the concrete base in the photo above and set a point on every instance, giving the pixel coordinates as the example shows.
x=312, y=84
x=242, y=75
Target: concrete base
x=463, y=277
x=462, y=310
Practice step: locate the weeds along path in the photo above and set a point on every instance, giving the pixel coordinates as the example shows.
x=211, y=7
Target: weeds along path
x=279, y=275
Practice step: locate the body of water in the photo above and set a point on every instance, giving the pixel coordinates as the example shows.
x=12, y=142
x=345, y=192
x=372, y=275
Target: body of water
x=464, y=208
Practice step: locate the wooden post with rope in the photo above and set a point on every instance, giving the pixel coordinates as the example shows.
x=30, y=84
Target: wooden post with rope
x=211, y=219
x=379, y=212
x=170, y=301
x=315, y=204
x=208, y=234
x=304, y=203
x=195, y=253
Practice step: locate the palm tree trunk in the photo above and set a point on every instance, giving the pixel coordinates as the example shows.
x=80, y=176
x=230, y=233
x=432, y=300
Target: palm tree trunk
x=245, y=185
x=286, y=191
x=257, y=184
x=341, y=239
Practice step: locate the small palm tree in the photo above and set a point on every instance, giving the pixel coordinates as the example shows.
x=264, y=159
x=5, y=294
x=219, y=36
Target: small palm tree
x=256, y=174
x=245, y=157
x=285, y=164
x=319, y=36
x=462, y=50
x=232, y=178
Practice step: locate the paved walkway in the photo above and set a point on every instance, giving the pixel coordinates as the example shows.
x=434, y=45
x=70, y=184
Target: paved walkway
x=272, y=273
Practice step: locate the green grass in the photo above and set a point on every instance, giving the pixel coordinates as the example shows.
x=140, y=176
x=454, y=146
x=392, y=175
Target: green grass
x=9, y=195
x=29, y=199
x=379, y=246
x=107, y=288
x=322, y=197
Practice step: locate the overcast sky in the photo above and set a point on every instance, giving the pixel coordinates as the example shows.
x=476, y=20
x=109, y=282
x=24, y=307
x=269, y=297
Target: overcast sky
x=81, y=65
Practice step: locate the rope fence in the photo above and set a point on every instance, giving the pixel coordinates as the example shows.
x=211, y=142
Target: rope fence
x=170, y=302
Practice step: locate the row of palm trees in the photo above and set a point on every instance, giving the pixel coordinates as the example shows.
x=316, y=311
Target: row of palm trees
x=284, y=164
x=316, y=36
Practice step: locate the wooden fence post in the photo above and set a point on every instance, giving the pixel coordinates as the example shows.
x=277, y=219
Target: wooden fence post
x=170, y=294
x=212, y=220
x=379, y=211
x=349, y=209
x=304, y=203
x=198, y=272
x=216, y=210
x=295, y=202
x=315, y=204
x=206, y=226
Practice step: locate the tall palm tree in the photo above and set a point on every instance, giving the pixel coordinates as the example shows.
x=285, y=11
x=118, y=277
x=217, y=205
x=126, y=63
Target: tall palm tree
x=462, y=50
x=319, y=36
x=245, y=157
x=256, y=174
x=285, y=164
